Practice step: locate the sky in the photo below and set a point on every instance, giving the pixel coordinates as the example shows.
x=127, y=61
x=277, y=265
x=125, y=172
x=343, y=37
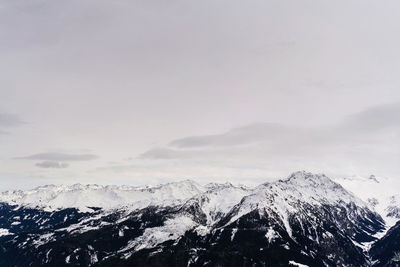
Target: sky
x=149, y=91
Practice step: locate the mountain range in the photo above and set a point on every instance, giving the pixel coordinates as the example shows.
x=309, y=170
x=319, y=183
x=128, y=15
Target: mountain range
x=305, y=220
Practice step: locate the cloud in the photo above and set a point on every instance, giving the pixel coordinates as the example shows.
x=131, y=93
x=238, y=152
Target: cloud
x=119, y=168
x=10, y=120
x=238, y=136
x=249, y=139
x=161, y=153
x=52, y=165
x=374, y=119
x=60, y=157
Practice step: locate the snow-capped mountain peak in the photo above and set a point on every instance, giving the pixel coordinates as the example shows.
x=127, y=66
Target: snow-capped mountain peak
x=297, y=192
x=316, y=187
x=308, y=178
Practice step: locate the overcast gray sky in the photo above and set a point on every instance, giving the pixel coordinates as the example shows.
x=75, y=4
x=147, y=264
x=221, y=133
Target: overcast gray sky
x=143, y=91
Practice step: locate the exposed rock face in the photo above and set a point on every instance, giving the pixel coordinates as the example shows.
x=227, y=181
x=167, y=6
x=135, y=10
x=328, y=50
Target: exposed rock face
x=386, y=251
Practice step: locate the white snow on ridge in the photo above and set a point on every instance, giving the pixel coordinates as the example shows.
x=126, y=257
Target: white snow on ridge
x=216, y=199
x=220, y=199
x=83, y=196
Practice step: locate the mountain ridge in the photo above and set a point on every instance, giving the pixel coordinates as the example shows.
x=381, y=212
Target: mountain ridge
x=306, y=218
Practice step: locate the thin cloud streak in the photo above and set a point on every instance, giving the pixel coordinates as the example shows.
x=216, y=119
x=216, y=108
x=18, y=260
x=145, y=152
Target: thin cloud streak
x=239, y=136
x=10, y=120
x=52, y=165
x=60, y=157
x=374, y=119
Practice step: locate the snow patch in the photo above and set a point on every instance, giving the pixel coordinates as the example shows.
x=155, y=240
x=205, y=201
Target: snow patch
x=4, y=232
x=171, y=230
x=293, y=263
x=234, y=231
x=271, y=235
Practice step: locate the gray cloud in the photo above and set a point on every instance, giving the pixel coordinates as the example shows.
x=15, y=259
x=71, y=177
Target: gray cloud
x=10, y=120
x=374, y=119
x=52, y=165
x=161, y=153
x=60, y=157
x=119, y=168
x=238, y=136
x=169, y=153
